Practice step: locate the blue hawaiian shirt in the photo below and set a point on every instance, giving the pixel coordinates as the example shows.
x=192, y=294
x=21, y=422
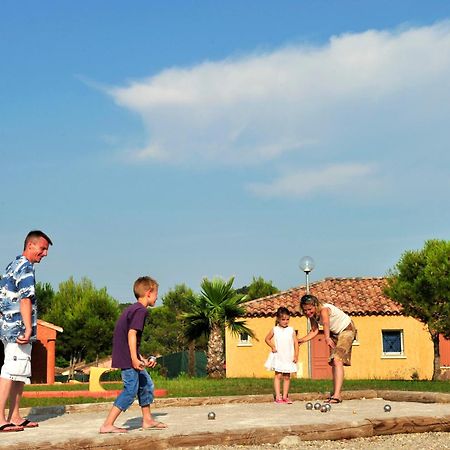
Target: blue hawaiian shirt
x=16, y=284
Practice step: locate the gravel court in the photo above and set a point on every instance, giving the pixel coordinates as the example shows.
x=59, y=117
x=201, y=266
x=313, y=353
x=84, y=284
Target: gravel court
x=80, y=429
x=412, y=441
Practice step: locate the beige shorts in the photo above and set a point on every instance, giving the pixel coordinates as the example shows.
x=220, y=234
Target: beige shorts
x=17, y=365
x=343, y=350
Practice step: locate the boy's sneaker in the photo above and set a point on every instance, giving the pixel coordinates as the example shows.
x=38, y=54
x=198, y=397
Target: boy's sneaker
x=279, y=401
x=287, y=400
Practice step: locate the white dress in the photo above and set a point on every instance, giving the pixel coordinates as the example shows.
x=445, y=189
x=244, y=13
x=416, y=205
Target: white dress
x=282, y=360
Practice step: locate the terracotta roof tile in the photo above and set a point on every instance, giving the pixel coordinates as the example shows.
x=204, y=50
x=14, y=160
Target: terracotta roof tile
x=355, y=296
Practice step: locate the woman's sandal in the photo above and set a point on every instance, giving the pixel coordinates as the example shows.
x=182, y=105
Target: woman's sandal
x=10, y=427
x=333, y=400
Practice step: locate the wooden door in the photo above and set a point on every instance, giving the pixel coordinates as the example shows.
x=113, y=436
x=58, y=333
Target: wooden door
x=320, y=369
x=444, y=351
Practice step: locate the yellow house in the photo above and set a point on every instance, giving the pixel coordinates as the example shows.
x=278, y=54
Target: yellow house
x=389, y=345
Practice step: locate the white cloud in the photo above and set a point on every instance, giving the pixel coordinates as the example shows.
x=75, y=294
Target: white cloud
x=359, y=93
x=334, y=179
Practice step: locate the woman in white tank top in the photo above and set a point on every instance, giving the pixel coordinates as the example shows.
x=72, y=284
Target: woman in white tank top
x=339, y=332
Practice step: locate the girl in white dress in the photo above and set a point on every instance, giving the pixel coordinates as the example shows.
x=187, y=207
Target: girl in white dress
x=283, y=359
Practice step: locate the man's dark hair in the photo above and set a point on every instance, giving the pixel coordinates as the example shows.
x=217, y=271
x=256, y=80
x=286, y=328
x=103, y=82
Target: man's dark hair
x=34, y=235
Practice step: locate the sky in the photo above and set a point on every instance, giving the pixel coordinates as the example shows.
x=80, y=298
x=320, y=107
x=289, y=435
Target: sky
x=187, y=139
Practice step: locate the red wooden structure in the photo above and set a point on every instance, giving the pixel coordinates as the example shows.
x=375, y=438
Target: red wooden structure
x=43, y=353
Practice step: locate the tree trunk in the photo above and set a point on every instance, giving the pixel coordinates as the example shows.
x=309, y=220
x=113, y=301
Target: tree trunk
x=436, y=357
x=191, y=359
x=215, y=364
x=72, y=367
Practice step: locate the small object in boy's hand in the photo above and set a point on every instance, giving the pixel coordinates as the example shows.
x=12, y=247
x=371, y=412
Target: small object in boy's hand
x=151, y=358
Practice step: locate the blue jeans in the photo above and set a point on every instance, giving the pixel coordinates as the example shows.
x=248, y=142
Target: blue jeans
x=135, y=382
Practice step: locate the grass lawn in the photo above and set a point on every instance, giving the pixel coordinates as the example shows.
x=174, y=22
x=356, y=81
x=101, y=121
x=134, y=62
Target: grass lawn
x=204, y=387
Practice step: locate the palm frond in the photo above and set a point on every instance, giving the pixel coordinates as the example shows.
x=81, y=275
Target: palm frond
x=240, y=327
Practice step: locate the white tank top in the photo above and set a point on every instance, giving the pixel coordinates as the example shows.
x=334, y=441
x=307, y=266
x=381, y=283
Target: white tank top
x=338, y=319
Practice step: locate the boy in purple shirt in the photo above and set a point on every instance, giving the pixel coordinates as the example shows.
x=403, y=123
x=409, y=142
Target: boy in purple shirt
x=126, y=356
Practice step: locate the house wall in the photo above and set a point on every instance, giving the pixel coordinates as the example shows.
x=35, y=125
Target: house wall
x=368, y=361
x=367, y=358
x=248, y=361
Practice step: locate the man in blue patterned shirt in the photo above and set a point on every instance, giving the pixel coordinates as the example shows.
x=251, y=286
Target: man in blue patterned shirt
x=18, y=328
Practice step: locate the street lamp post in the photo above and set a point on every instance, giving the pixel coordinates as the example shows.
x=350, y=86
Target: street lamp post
x=307, y=264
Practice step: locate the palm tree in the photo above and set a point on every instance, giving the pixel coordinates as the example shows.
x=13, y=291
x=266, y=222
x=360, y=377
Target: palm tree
x=218, y=306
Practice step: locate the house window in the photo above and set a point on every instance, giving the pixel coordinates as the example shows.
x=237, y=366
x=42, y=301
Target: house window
x=244, y=340
x=392, y=343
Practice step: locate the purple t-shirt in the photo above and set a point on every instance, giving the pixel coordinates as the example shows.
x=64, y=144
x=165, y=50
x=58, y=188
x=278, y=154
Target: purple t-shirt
x=132, y=317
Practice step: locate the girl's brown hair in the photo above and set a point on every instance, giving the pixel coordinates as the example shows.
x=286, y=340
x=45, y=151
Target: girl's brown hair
x=281, y=311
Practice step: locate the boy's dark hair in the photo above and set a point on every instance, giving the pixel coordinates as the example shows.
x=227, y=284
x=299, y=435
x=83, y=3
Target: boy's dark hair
x=35, y=234
x=142, y=285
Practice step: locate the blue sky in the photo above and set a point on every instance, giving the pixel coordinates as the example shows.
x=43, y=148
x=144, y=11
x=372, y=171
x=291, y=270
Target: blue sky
x=186, y=139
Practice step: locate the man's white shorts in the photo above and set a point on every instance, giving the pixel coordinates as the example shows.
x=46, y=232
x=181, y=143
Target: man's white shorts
x=17, y=365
